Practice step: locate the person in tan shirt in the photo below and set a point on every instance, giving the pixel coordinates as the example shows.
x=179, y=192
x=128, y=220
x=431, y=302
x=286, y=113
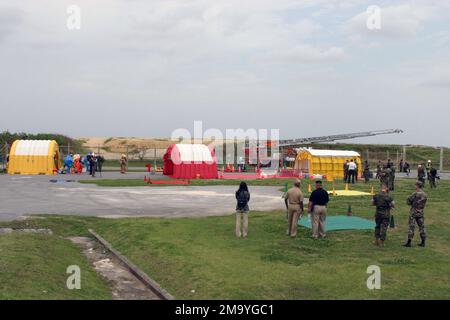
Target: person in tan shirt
x=294, y=198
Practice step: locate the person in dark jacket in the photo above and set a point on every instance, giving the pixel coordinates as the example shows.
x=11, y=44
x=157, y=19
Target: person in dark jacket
x=100, y=161
x=92, y=164
x=366, y=171
x=242, y=209
x=432, y=176
x=317, y=206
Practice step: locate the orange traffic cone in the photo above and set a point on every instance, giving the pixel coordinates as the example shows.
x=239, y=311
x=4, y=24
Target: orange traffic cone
x=232, y=168
x=239, y=169
x=228, y=167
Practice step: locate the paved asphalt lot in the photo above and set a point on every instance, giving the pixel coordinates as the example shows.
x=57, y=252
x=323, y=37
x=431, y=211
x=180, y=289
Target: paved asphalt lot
x=24, y=195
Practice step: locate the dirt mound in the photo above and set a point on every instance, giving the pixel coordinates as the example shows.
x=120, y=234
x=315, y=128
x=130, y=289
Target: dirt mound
x=136, y=148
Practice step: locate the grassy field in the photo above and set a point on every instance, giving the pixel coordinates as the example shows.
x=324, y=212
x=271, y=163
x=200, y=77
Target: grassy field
x=200, y=258
x=33, y=266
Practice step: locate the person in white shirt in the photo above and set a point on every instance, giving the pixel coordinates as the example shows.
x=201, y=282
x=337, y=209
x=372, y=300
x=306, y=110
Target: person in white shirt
x=351, y=172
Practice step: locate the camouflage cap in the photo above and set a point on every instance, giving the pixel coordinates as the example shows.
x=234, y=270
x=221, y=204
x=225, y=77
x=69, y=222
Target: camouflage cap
x=419, y=184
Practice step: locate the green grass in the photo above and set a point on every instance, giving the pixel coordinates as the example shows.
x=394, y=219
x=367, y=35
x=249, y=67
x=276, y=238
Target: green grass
x=33, y=266
x=338, y=184
x=202, y=254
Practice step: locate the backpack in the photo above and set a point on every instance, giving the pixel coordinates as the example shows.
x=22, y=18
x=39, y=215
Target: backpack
x=242, y=199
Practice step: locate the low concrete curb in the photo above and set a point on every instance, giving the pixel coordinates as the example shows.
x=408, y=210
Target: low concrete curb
x=150, y=283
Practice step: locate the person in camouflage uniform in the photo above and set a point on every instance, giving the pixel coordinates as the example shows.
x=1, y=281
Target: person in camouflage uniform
x=379, y=169
x=417, y=201
x=383, y=203
x=432, y=176
x=392, y=178
x=421, y=173
x=385, y=176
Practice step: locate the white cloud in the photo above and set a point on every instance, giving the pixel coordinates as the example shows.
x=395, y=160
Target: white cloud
x=308, y=53
x=257, y=59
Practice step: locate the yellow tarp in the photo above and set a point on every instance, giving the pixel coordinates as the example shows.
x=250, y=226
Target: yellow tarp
x=349, y=193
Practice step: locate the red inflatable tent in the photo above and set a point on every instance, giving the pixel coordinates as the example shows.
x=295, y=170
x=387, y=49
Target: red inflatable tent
x=190, y=161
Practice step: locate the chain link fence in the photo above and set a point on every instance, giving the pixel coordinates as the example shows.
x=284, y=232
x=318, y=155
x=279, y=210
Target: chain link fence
x=138, y=157
x=413, y=156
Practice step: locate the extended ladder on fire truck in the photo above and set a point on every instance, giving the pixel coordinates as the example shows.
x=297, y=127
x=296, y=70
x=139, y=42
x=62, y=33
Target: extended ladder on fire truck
x=331, y=138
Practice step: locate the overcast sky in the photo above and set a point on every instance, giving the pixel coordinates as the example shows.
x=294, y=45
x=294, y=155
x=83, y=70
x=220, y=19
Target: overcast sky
x=145, y=68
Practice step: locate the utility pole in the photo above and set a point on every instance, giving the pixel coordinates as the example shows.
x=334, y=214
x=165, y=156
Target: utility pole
x=404, y=154
x=441, y=160
x=154, y=158
x=128, y=159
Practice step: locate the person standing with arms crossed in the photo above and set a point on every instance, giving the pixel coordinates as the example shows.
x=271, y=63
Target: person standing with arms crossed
x=294, y=197
x=317, y=206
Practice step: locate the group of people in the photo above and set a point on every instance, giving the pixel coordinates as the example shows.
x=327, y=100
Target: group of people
x=428, y=171
x=404, y=167
x=74, y=163
x=317, y=208
x=350, y=171
x=92, y=163
x=384, y=202
x=386, y=174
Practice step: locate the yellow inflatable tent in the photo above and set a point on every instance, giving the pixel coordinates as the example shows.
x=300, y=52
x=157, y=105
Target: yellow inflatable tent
x=325, y=162
x=34, y=157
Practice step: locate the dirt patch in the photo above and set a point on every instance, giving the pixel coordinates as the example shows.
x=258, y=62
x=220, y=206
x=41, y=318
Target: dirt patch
x=124, y=285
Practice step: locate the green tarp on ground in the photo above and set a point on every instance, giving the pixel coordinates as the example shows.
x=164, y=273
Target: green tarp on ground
x=341, y=223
